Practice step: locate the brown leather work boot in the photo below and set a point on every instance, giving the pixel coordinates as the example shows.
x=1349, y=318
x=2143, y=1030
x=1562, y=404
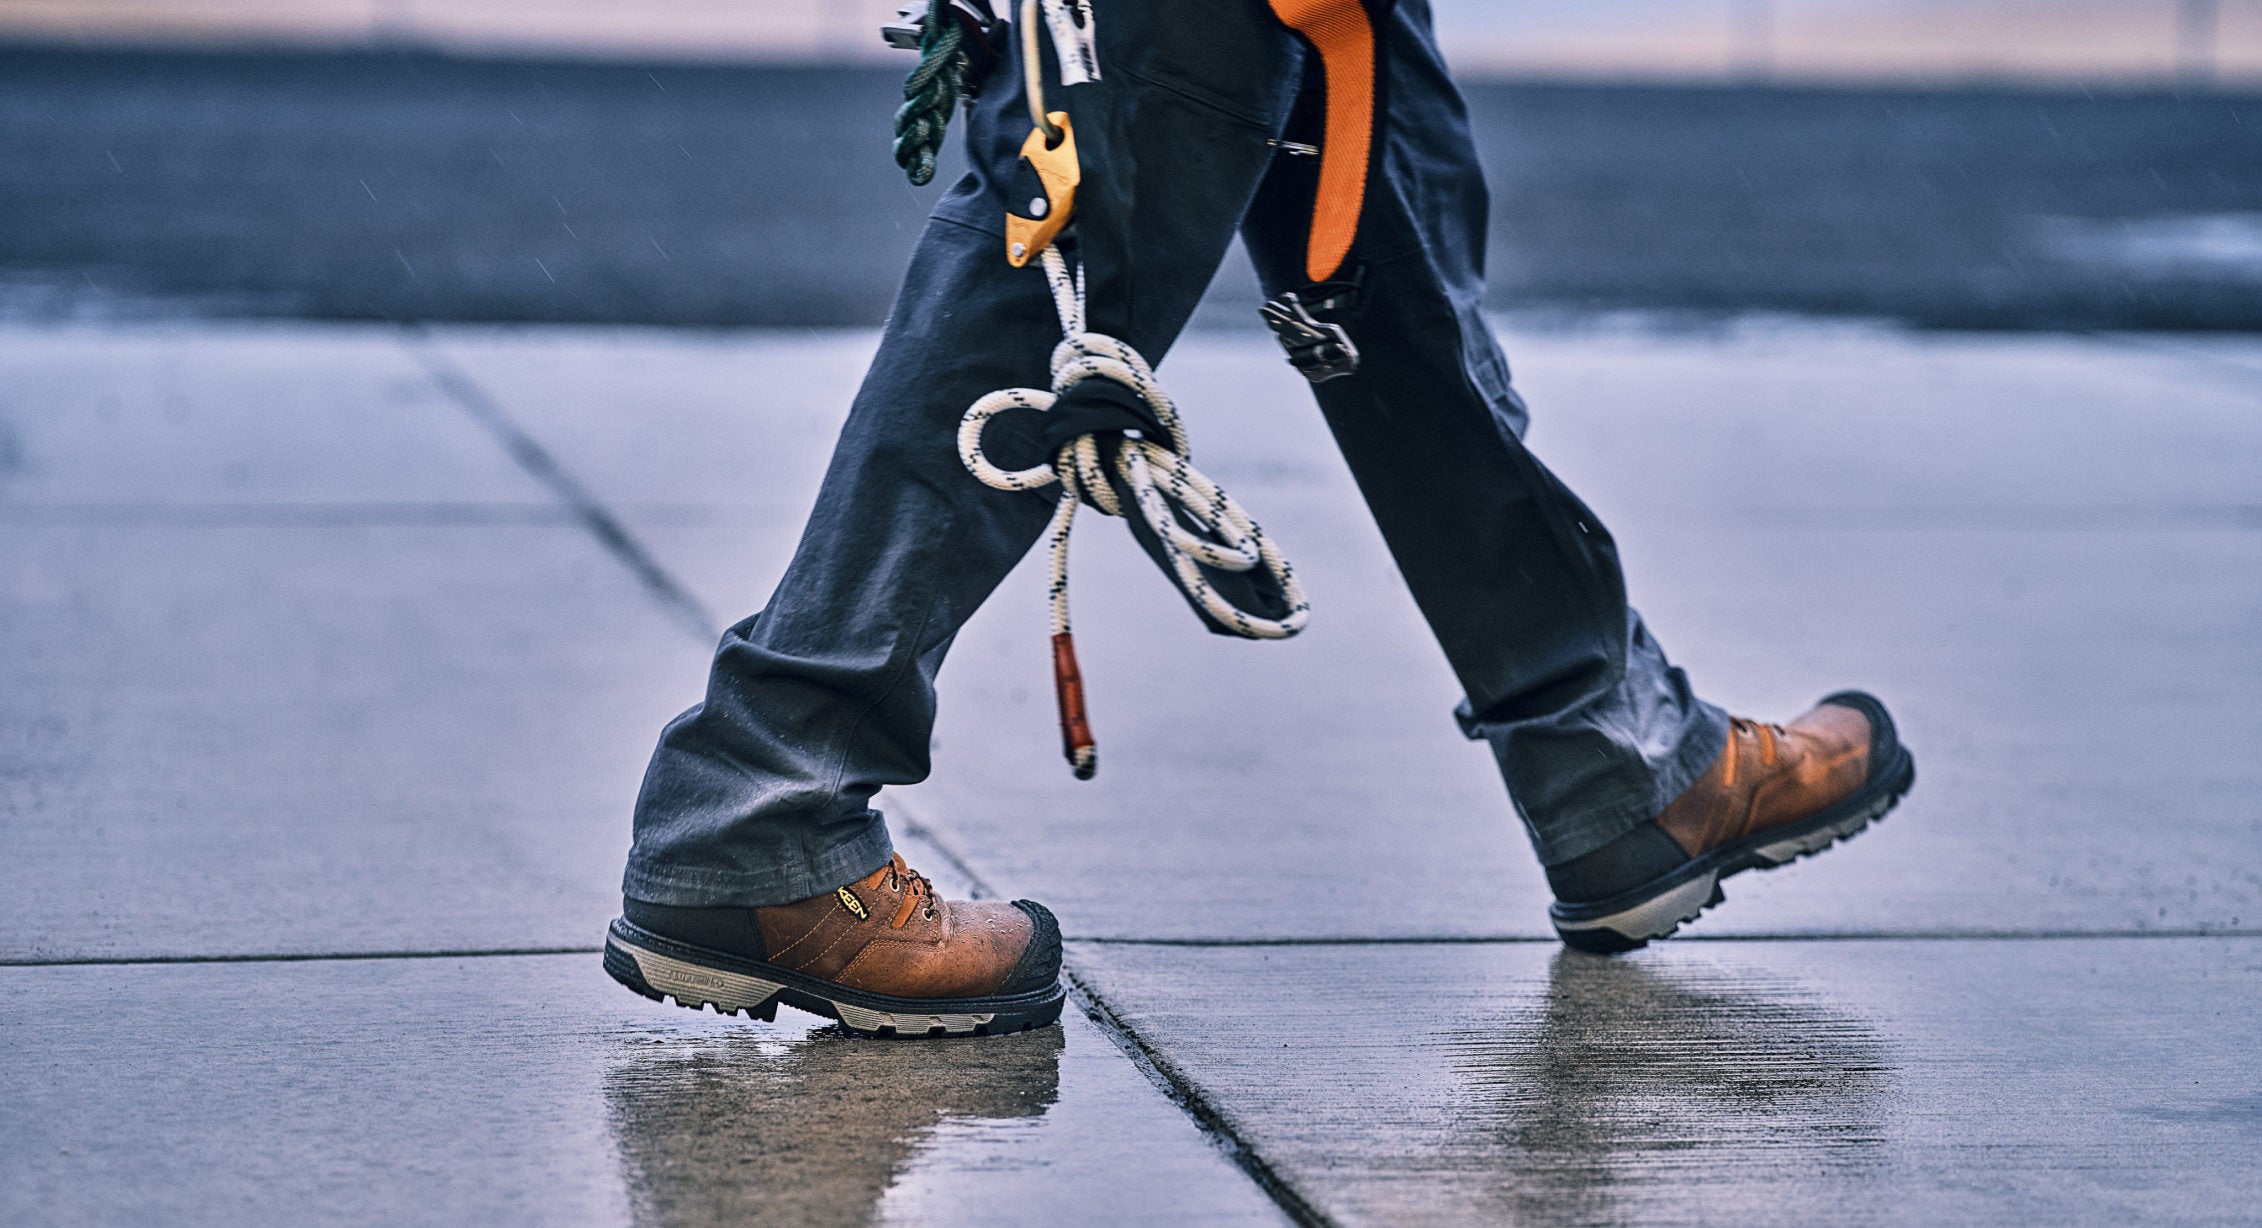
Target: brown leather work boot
x=882, y=955
x=1777, y=793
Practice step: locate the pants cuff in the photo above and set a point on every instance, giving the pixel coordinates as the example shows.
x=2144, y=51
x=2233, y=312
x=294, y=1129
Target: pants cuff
x=1578, y=835
x=795, y=874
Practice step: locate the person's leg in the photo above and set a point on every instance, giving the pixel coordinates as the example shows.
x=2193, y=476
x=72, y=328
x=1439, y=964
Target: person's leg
x=762, y=794
x=1594, y=730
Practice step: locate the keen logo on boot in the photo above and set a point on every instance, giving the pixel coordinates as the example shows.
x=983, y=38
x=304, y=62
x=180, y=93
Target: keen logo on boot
x=849, y=901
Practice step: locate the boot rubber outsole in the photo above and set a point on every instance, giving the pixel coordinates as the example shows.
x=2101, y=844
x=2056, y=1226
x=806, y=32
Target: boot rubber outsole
x=1658, y=908
x=661, y=968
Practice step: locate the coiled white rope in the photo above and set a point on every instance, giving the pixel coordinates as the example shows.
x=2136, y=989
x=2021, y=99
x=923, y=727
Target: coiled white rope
x=1162, y=480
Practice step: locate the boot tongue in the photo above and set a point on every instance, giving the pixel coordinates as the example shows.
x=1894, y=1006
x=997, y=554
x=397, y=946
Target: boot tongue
x=872, y=881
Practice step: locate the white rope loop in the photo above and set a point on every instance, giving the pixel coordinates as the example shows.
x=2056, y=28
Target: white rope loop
x=1162, y=480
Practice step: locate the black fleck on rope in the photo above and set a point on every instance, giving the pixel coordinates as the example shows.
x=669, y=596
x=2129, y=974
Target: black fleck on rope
x=929, y=93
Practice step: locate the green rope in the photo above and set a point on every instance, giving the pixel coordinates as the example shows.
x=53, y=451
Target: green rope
x=929, y=93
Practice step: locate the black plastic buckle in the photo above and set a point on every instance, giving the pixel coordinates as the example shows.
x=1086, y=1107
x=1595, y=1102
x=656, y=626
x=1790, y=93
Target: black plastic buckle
x=1319, y=349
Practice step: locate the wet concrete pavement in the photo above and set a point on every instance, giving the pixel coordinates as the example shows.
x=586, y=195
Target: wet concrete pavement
x=525, y=1090
x=320, y=648
x=2024, y=1082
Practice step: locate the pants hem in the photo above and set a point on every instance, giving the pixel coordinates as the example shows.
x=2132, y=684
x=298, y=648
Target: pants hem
x=1581, y=834
x=813, y=872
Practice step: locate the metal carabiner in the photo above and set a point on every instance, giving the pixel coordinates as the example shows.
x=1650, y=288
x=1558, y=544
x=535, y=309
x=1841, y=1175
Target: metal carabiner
x=1033, y=75
x=1321, y=349
x=1041, y=198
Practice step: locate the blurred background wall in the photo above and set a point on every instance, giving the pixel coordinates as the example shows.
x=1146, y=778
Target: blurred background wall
x=1967, y=163
x=1927, y=40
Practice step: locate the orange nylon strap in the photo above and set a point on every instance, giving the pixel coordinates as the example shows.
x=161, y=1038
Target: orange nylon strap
x=1344, y=37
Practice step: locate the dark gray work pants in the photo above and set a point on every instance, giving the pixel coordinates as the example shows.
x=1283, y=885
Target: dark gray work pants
x=762, y=793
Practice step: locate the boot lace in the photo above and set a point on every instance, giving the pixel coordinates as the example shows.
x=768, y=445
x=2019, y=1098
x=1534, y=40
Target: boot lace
x=917, y=891
x=1767, y=734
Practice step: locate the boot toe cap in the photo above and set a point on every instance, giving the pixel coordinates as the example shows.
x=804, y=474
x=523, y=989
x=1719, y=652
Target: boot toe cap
x=1884, y=738
x=1039, y=966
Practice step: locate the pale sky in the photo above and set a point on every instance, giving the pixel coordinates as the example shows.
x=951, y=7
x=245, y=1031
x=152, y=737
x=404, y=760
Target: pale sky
x=2090, y=40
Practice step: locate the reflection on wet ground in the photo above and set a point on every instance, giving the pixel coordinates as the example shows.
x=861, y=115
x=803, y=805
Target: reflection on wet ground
x=747, y=1128
x=1640, y=1090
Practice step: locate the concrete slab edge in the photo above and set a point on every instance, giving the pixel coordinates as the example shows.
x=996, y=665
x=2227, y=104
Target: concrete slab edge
x=1150, y=1061
x=1733, y=936
x=289, y=957
x=538, y=463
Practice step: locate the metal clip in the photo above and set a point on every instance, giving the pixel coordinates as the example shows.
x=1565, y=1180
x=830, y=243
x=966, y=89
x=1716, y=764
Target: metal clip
x=909, y=29
x=1319, y=349
x=984, y=31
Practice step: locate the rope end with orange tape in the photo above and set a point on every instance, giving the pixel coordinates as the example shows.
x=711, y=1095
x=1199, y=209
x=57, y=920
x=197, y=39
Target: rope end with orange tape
x=1076, y=740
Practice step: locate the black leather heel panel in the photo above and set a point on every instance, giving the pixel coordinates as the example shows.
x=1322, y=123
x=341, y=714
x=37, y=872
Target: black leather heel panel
x=732, y=931
x=1642, y=855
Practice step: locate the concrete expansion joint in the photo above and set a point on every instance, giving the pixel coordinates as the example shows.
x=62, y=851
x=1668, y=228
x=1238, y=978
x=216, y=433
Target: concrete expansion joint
x=539, y=464
x=1150, y=1061
x=287, y=957
x=1394, y=940
x=1801, y=936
